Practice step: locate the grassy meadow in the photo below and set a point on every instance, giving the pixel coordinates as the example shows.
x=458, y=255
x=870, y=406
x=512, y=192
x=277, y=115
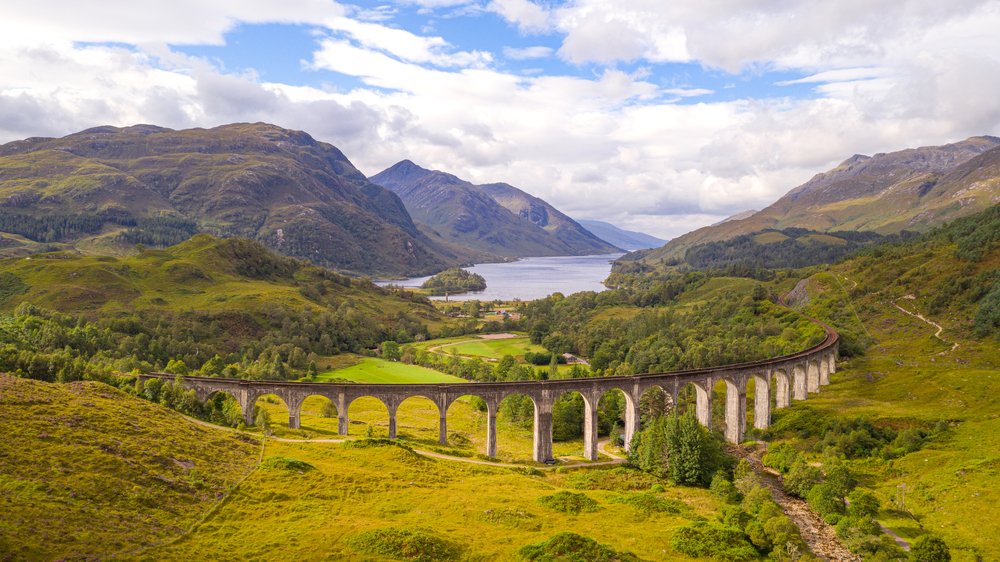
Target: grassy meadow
x=320, y=510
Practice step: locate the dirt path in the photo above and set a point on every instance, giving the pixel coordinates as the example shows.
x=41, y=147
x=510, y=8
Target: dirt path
x=819, y=536
x=954, y=345
x=615, y=459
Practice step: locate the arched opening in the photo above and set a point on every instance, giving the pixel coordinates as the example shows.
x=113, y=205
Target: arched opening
x=368, y=417
x=466, y=419
x=568, y=424
x=417, y=419
x=270, y=414
x=515, y=422
x=654, y=403
x=223, y=408
x=318, y=415
x=612, y=412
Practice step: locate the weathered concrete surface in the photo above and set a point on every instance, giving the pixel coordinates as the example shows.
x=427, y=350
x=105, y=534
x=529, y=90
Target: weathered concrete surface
x=804, y=368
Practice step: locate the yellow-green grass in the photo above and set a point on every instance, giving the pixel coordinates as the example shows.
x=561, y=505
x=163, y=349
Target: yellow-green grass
x=490, y=512
x=88, y=472
x=769, y=238
x=379, y=371
x=417, y=423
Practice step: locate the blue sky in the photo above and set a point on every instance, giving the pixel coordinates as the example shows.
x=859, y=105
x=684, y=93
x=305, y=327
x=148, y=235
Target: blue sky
x=656, y=116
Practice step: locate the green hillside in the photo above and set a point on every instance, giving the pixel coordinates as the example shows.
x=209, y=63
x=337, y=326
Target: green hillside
x=88, y=472
x=206, y=301
x=106, y=189
x=939, y=389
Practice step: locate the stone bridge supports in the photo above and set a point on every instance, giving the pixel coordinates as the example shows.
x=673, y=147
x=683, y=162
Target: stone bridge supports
x=782, y=389
x=794, y=376
x=736, y=409
x=590, y=425
x=762, y=400
x=799, y=386
x=703, y=401
x=812, y=376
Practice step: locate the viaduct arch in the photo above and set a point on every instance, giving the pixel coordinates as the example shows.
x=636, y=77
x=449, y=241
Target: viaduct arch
x=794, y=377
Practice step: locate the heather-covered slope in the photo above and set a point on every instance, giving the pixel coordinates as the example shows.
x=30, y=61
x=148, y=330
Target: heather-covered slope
x=107, y=188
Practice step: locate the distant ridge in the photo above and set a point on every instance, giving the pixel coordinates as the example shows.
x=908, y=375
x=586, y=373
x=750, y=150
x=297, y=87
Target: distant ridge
x=913, y=189
x=625, y=239
x=497, y=218
x=110, y=188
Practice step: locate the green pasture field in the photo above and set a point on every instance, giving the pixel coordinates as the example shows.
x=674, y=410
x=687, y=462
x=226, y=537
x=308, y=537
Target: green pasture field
x=379, y=371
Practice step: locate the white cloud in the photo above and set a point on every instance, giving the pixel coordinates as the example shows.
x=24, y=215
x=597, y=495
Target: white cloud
x=525, y=53
x=607, y=144
x=528, y=16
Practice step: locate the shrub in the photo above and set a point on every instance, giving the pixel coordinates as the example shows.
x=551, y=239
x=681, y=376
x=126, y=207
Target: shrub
x=648, y=503
x=929, y=548
x=862, y=504
x=569, y=502
x=781, y=457
x=406, y=544
x=723, y=489
x=825, y=500
x=571, y=547
x=283, y=463
x=801, y=478
x=720, y=543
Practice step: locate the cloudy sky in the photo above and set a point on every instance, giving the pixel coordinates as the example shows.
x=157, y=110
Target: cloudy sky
x=655, y=115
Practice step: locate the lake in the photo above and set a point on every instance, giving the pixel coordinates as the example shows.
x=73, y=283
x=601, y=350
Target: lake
x=532, y=278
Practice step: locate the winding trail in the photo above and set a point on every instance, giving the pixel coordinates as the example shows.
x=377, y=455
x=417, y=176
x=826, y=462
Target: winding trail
x=954, y=345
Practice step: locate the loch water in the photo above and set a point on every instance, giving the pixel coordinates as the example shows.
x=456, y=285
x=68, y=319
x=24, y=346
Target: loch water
x=532, y=278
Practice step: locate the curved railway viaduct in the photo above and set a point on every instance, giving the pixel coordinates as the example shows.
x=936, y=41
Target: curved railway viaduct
x=792, y=376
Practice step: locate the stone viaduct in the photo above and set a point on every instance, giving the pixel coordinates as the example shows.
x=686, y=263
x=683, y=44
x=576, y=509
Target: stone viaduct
x=792, y=376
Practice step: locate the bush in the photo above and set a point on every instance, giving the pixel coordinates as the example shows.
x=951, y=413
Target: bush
x=825, y=500
x=569, y=502
x=720, y=543
x=649, y=503
x=781, y=457
x=862, y=504
x=406, y=544
x=929, y=548
x=723, y=489
x=801, y=478
x=571, y=547
x=283, y=463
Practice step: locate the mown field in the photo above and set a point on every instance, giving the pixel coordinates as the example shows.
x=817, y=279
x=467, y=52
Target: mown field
x=378, y=371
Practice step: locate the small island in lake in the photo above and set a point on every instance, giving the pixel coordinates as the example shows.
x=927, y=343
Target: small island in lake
x=455, y=280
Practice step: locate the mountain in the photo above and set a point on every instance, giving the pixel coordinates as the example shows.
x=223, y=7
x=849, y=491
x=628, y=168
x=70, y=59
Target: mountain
x=624, y=239
x=109, y=188
x=495, y=218
x=913, y=189
x=738, y=216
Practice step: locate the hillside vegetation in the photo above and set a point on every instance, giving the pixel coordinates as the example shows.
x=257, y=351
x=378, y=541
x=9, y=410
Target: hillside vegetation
x=219, y=306
x=931, y=395
x=106, y=189
x=88, y=472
